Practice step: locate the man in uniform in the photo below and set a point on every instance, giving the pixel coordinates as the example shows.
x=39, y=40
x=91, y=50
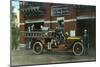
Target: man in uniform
x=85, y=42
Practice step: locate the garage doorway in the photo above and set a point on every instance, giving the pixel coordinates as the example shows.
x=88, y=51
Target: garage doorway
x=90, y=25
x=37, y=26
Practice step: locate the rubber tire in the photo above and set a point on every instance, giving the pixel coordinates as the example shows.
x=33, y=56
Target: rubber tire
x=79, y=43
x=40, y=46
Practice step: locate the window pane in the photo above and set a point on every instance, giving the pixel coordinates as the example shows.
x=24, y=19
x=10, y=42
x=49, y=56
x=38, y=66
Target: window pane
x=59, y=10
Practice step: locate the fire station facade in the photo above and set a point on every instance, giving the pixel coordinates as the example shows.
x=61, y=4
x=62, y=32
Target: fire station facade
x=71, y=17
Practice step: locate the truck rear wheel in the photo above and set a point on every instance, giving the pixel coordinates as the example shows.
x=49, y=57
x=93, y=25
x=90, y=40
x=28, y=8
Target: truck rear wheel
x=37, y=48
x=78, y=48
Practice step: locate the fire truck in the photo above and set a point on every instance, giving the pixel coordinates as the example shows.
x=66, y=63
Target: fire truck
x=53, y=40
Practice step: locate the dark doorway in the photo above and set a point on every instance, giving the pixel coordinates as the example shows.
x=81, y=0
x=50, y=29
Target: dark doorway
x=90, y=25
x=37, y=26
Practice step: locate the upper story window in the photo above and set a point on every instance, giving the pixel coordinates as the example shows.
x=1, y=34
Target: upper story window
x=83, y=8
x=32, y=8
x=59, y=10
x=25, y=4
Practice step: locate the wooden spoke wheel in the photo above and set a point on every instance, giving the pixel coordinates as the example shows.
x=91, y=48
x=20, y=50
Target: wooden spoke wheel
x=78, y=48
x=37, y=48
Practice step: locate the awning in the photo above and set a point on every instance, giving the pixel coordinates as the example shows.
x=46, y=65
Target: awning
x=85, y=17
x=35, y=21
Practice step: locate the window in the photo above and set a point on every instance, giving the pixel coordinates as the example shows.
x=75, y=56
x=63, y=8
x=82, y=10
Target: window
x=59, y=10
x=81, y=8
x=32, y=8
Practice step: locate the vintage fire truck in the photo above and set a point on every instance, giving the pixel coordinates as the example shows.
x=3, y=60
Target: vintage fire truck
x=56, y=40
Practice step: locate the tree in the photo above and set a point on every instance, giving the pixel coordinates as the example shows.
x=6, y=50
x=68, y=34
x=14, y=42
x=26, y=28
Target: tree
x=14, y=30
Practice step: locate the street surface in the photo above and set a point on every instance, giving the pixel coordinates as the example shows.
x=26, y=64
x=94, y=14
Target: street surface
x=26, y=57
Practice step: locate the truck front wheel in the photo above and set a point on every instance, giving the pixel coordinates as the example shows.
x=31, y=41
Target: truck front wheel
x=78, y=48
x=37, y=48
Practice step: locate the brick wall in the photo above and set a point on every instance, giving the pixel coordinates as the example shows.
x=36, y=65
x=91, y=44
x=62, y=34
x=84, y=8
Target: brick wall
x=51, y=21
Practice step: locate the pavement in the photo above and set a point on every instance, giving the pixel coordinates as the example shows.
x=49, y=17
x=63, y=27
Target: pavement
x=26, y=57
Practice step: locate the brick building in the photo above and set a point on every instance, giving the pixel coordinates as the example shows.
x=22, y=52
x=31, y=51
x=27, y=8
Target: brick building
x=71, y=17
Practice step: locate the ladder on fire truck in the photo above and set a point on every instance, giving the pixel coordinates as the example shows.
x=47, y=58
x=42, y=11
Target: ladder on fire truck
x=37, y=34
